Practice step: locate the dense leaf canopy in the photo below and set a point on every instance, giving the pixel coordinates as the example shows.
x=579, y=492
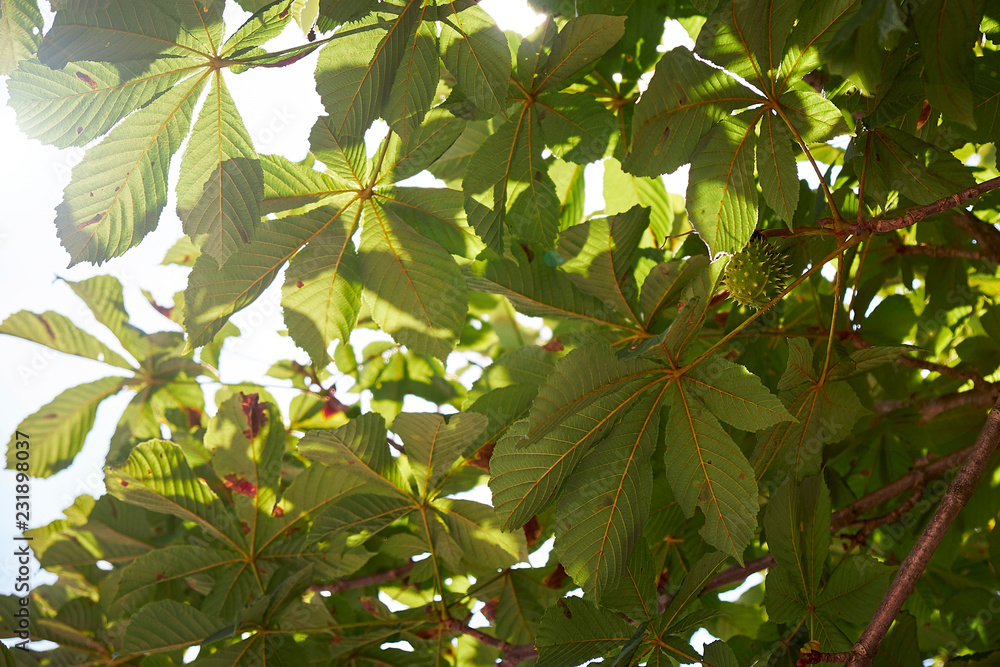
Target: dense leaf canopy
x=672, y=441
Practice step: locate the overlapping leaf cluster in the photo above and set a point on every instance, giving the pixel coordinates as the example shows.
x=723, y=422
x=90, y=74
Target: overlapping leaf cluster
x=657, y=431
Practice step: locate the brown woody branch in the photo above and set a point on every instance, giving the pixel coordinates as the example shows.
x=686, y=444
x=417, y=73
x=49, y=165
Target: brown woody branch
x=985, y=235
x=982, y=396
x=513, y=653
x=941, y=251
x=913, y=565
x=368, y=580
x=915, y=215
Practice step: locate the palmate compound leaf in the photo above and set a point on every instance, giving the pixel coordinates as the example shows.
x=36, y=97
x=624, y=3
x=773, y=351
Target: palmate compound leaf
x=59, y=428
x=722, y=194
x=605, y=502
x=432, y=445
x=321, y=297
x=824, y=412
x=580, y=403
x=58, y=332
x=214, y=294
x=158, y=478
x=289, y=185
x=118, y=190
x=507, y=185
x=20, y=30
x=575, y=631
x=599, y=253
x=361, y=449
x=707, y=470
x=219, y=190
x=735, y=395
x=166, y=625
x=684, y=100
x=475, y=529
x=413, y=287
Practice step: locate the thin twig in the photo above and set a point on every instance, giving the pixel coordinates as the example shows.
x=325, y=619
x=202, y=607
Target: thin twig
x=913, y=565
x=367, y=580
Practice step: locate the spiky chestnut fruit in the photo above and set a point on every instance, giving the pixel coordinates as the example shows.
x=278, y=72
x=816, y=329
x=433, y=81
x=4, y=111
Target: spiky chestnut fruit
x=756, y=274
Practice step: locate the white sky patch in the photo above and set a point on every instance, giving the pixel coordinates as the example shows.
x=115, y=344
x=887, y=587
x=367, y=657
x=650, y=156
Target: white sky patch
x=753, y=580
x=513, y=15
x=390, y=604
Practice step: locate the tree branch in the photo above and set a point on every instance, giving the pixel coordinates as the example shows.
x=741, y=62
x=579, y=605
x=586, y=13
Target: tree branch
x=915, y=215
x=932, y=407
x=513, y=653
x=367, y=580
x=916, y=561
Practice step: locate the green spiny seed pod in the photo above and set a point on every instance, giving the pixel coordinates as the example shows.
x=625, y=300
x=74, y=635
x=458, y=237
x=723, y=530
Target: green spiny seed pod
x=756, y=274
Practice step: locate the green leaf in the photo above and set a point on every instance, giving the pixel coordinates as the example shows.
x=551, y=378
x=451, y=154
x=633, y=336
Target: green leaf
x=816, y=27
x=606, y=502
x=432, y=445
x=334, y=12
x=475, y=529
x=635, y=594
x=59, y=428
x=507, y=173
x=575, y=631
x=290, y=184
x=58, y=332
x=361, y=513
x=539, y=290
x=533, y=52
x=158, y=478
x=726, y=38
x=355, y=73
x=855, y=588
x=599, y=253
x=118, y=190
x=416, y=79
x=175, y=563
x=684, y=100
x=74, y=106
x=321, y=297
x=413, y=287
x=825, y=414
x=246, y=439
x=797, y=524
x=582, y=377
x=579, y=43
x=665, y=283
x=706, y=469
x=735, y=394
x=695, y=580
x=719, y=654
x=360, y=447
x=813, y=116
x=131, y=30
x=265, y=24
x=342, y=153
x=948, y=29
x=721, y=194
x=106, y=299
x=219, y=191
x=20, y=32
x=436, y=213
x=623, y=191
x=476, y=52
x=410, y=153
x=166, y=625
x=575, y=127
x=214, y=294
x=779, y=179
x=305, y=13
